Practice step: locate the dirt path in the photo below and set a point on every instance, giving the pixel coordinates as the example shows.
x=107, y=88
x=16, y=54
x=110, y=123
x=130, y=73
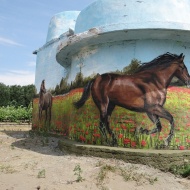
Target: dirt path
x=28, y=162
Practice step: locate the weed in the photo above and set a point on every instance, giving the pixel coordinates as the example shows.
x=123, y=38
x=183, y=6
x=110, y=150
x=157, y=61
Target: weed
x=42, y=174
x=131, y=174
x=104, y=188
x=23, y=143
x=7, y=169
x=100, y=163
x=78, y=172
x=32, y=134
x=128, y=175
x=180, y=170
x=45, y=141
x=152, y=180
x=103, y=173
x=30, y=165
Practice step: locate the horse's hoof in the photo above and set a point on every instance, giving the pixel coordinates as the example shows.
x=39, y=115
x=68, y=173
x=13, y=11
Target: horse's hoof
x=144, y=131
x=163, y=146
x=166, y=143
x=137, y=131
x=114, y=143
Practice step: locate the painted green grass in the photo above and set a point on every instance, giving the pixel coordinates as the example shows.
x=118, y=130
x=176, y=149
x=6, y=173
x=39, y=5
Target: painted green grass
x=82, y=125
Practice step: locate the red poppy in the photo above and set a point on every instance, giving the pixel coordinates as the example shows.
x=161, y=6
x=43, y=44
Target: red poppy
x=96, y=135
x=129, y=121
x=177, y=140
x=120, y=136
x=83, y=139
x=126, y=141
x=143, y=143
x=96, y=124
x=133, y=144
x=181, y=147
x=88, y=124
x=123, y=127
x=132, y=129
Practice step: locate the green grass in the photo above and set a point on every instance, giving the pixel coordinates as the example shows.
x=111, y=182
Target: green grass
x=180, y=170
x=82, y=124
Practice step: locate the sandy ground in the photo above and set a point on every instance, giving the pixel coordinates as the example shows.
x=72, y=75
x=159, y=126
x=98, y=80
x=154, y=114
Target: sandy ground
x=29, y=162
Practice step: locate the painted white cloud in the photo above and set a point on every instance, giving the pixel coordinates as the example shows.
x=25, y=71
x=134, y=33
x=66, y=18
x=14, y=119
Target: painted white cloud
x=17, y=77
x=6, y=41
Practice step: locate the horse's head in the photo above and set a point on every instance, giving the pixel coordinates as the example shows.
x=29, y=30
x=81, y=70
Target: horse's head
x=182, y=72
x=42, y=88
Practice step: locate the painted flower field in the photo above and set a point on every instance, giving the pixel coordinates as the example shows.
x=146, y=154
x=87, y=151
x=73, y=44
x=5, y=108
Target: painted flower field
x=83, y=124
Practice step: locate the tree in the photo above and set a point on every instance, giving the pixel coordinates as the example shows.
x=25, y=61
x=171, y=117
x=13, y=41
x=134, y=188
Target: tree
x=132, y=67
x=17, y=94
x=4, y=95
x=64, y=87
x=78, y=82
x=29, y=93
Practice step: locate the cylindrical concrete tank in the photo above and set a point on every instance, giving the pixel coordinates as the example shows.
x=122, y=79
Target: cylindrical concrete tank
x=109, y=34
x=133, y=14
x=61, y=23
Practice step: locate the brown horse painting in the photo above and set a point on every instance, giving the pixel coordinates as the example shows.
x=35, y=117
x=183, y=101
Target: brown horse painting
x=144, y=91
x=45, y=101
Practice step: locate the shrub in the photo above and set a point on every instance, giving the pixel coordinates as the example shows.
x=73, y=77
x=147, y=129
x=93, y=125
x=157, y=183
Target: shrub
x=13, y=114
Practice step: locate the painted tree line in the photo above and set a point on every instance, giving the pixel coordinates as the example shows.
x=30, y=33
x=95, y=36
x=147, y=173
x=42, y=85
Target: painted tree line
x=80, y=81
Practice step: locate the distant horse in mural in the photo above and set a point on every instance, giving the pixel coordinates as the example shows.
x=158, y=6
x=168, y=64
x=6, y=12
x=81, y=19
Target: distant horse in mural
x=45, y=101
x=144, y=91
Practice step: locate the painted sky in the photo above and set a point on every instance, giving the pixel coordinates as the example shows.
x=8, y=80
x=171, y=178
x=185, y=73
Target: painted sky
x=23, y=29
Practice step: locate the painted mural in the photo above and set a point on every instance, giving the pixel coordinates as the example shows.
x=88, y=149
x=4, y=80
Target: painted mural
x=147, y=111
x=111, y=77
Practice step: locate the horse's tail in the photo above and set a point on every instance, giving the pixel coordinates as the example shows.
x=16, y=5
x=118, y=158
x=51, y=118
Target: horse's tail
x=85, y=95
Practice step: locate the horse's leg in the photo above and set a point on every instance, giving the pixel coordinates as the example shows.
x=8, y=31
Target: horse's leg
x=49, y=109
x=46, y=110
x=49, y=115
x=109, y=112
x=155, y=119
x=162, y=113
x=50, y=106
x=103, y=123
x=40, y=113
x=102, y=104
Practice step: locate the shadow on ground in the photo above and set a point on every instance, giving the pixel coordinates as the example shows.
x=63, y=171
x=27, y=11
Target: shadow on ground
x=24, y=138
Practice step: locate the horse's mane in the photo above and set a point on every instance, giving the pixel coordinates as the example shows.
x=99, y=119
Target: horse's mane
x=164, y=59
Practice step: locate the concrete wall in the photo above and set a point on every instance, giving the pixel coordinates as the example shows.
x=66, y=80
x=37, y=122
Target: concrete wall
x=132, y=14
x=46, y=65
x=109, y=34
x=115, y=56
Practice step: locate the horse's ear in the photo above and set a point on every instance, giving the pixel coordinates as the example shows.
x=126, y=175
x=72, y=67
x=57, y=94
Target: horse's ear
x=181, y=57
